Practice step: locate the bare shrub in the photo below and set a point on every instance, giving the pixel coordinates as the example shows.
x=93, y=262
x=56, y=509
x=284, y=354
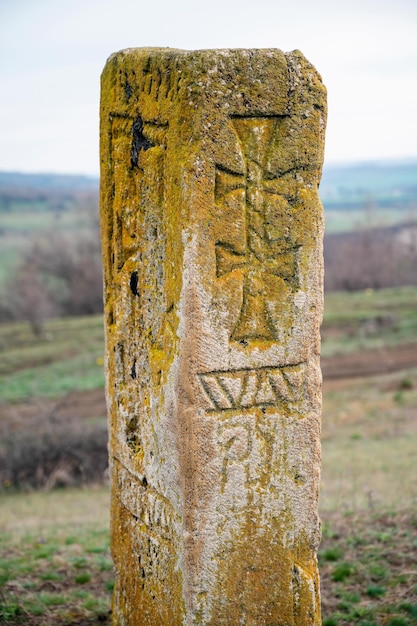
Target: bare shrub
x=54, y=455
x=370, y=258
x=70, y=269
x=60, y=275
x=28, y=298
x=60, y=272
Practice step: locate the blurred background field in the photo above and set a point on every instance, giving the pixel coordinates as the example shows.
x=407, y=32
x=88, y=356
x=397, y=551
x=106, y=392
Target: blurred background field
x=55, y=565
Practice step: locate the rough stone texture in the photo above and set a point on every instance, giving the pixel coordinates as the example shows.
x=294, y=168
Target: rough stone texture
x=212, y=244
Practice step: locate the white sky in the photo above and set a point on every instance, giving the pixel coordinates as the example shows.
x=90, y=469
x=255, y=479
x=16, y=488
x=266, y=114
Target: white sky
x=52, y=53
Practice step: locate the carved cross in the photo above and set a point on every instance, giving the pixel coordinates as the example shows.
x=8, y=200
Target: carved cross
x=269, y=250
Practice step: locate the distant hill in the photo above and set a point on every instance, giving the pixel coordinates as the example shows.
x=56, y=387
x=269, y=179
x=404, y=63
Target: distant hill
x=47, y=182
x=384, y=183
x=37, y=193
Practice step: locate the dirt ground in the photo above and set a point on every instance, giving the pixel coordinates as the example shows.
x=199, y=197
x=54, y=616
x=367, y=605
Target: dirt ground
x=337, y=371
x=369, y=362
x=77, y=404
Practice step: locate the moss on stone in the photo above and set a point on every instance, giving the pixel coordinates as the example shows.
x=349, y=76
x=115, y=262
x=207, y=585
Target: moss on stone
x=212, y=250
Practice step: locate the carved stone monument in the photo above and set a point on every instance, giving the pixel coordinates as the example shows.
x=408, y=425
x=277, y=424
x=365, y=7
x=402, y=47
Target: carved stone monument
x=212, y=244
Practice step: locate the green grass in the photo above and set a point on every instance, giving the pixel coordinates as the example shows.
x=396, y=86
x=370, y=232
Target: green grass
x=68, y=356
x=371, y=319
x=10, y=253
x=376, y=583
x=78, y=373
x=29, y=221
x=369, y=441
x=367, y=562
x=345, y=220
x=349, y=306
x=44, y=573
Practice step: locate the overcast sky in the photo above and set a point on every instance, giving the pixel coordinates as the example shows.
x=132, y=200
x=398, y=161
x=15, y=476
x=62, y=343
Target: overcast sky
x=52, y=53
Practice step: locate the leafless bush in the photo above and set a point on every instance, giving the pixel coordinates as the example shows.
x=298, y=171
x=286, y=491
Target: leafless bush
x=54, y=455
x=69, y=267
x=60, y=275
x=28, y=298
x=372, y=258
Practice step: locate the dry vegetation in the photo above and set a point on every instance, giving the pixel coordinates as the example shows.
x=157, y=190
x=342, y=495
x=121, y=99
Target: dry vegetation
x=371, y=258
x=57, y=269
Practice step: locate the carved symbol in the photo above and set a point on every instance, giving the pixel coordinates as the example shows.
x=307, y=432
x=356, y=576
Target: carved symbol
x=146, y=135
x=269, y=249
x=139, y=141
x=243, y=389
x=234, y=440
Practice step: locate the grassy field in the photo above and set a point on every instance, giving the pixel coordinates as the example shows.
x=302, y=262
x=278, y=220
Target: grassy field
x=369, y=442
x=55, y=565
x=368, y=569
x=67, y=357
x=365, y=320
x=344, y=220
x=19, y=228
x=54, y=559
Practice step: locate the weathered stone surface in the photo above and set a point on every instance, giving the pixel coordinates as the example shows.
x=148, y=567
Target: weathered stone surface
x=212, y=246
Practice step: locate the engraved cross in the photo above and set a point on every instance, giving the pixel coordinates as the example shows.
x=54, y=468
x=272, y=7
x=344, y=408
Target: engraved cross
x=268, y=251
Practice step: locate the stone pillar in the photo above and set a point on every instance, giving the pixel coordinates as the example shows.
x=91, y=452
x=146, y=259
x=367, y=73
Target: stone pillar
x=212, y=245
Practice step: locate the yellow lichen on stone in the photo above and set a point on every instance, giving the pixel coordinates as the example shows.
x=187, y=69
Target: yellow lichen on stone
x=212, y=249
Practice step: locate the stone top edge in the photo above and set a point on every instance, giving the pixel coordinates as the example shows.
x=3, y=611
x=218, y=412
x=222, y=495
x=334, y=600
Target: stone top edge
x=185, y=52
